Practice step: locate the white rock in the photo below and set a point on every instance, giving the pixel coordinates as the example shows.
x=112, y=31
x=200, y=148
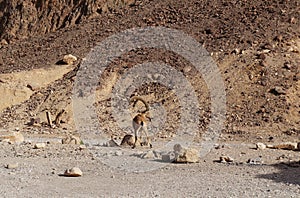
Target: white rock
x=39, y=145
x=12, y=166
x=260, y=146
x=256, y=161
x=73, y=172
x=69, y=59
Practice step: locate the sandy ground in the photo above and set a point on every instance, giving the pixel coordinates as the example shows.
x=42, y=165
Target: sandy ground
x=38, y=174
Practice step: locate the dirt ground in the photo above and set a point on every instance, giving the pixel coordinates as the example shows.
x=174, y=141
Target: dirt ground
x=256, y=46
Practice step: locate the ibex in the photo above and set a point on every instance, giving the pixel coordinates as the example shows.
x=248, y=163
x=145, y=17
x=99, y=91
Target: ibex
x=139, y=122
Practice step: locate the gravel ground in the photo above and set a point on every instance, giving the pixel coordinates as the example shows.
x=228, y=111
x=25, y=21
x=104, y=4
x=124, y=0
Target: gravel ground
x=38, y=174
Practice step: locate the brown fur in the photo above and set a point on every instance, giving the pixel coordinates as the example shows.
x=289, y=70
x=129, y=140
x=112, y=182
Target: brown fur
x=139, y=122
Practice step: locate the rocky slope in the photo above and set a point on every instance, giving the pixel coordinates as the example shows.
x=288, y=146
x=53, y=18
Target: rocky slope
x=255, y=44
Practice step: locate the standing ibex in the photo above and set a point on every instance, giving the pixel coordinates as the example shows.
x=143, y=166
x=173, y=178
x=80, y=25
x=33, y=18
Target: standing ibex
x=139, y=122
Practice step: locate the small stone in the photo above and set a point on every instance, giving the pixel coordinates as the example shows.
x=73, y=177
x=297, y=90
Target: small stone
x=260, y=146
x=69, y=59
x=287, y=66
x=177, y=148
x=112, y=143
x=226, y=159
x=262, y=56
x=148, y=155
x=186, y=69
x=3, y=42
x=73, y=172
x=82, y=147
x=169, y=157
x=256, y=161
x=278, y=91
x=118, y=153
x=278, y=38
x=71, y=139
x=157, y=154
x=236, y=51
x=12, y=166
x=39, y=145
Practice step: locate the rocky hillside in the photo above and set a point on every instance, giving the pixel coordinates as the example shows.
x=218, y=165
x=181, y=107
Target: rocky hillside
x=22, y=19
x=256, y=45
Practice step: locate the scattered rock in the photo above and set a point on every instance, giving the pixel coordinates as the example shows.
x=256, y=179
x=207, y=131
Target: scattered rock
x=82, y=147
x=3, y=42
x=169, y=157
x=256, y=161
x=278, y=91
x=128, y=140
x=111, y=143
x=73, y=172
x=39, y=145
x=69, y=59
x=12, y=166
x=34, y=122
x=185, y=155
x=118, y=153
x=71, y=139
x=260, y=146
x=285, y=146
x=226, y=159
x=186, y=69
x=148, y=155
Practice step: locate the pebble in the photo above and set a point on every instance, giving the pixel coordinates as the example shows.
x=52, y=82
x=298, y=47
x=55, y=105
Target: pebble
x=260, y=146
x=12, y=166
x=73, y=172
x=226, y=159
x=69, y=59
x=39, y=145
x=256, y=161
x=169, y=157
x=118, y=153
x=148, y=155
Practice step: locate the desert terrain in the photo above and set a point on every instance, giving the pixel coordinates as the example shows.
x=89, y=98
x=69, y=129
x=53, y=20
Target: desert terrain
x=255, y=46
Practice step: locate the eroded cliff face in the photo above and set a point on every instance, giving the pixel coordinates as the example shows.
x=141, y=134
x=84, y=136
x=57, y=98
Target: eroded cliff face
x=23, y=18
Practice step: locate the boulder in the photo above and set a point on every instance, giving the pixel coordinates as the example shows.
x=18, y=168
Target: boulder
x=185, y=155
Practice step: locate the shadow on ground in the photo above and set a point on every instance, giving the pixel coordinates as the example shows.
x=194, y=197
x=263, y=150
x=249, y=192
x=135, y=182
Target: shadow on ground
x=287, y=173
